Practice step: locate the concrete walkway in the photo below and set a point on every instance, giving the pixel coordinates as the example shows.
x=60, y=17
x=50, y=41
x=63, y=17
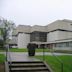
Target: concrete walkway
x=23, y=56
x=37, y=53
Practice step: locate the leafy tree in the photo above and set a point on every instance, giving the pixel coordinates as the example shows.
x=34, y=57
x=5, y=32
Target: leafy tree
x=6, y=30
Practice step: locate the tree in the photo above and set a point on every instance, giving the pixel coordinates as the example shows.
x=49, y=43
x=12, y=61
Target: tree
x=6, y=29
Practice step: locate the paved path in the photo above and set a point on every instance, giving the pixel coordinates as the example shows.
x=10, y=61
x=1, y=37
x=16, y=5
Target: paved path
x=23, y=56
x=37, y=53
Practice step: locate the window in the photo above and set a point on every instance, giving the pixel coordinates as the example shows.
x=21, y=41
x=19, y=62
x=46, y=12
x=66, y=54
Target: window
x=66, y=44
x=38, y=36
x=70, y=44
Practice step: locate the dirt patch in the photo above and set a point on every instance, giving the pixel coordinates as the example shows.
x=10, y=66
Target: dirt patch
x=1, y=67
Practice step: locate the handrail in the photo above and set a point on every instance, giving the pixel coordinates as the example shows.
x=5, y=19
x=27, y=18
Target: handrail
x=9, y=58
x=6, y=49
x=43, y=54
x=8, y=55
x=58, y=59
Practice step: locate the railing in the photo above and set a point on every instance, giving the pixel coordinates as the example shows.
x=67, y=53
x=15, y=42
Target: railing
x=43, y=54
x=8, y=56
x=57, y=58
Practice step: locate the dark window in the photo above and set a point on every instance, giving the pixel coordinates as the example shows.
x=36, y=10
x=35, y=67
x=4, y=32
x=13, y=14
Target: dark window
x=38, y=36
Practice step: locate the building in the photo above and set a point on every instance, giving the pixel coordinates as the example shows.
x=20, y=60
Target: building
x=57, y=35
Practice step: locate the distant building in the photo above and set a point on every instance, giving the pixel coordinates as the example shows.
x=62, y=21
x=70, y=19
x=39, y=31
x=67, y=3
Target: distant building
x=57, y=35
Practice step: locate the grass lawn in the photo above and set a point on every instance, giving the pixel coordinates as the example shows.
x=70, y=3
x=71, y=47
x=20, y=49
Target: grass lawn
x=37, y=50
x=2, y=58
x=18, y=50
x=41, y=50
x=56, y=66
x=63, y=51
x=2, y=50
x=15, y=50
x=25, y=50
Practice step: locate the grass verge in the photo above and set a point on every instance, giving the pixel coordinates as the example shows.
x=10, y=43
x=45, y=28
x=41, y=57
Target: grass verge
x=18, y=50
x=56, y=65
x=37, y=50
x=25, y=50
x=2, y=58
x=2, y=50
x=63, y=51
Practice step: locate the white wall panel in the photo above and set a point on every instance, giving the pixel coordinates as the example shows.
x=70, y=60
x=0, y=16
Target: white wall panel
x=23, y=40
x=58, y=35
x=52, y=36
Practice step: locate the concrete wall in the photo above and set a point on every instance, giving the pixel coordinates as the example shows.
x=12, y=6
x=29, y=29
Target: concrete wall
x=38, y=28
x=23, y=40
x=58, y=35
x=52, y=36
x=64, y=35
x=60, y=24
x=24, y=28
x=14, y=39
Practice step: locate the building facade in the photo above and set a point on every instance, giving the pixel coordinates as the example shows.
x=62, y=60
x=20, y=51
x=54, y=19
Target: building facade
x=57, y=35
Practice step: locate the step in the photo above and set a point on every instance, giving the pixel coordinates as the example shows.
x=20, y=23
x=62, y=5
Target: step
x=19, y=62
x=41, y=71
x=27, y=65
x=29, y=69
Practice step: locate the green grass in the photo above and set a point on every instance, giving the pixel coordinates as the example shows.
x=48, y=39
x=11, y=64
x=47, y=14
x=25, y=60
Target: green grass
x=2, y=50
x=25, y=50
x=37, y=50
x=2, y=58
x=63, y=51
x=56, y=66
x=41, y=50
x=18, y=50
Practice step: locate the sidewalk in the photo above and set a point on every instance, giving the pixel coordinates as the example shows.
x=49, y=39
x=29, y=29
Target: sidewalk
x=14, y=56
x=37, y=53
x=23, y=56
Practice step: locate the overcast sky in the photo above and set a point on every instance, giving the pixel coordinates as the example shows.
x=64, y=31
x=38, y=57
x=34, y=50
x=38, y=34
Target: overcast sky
x=35, y=12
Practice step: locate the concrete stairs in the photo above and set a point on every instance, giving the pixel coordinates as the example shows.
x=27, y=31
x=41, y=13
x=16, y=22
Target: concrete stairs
x=28, y=66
